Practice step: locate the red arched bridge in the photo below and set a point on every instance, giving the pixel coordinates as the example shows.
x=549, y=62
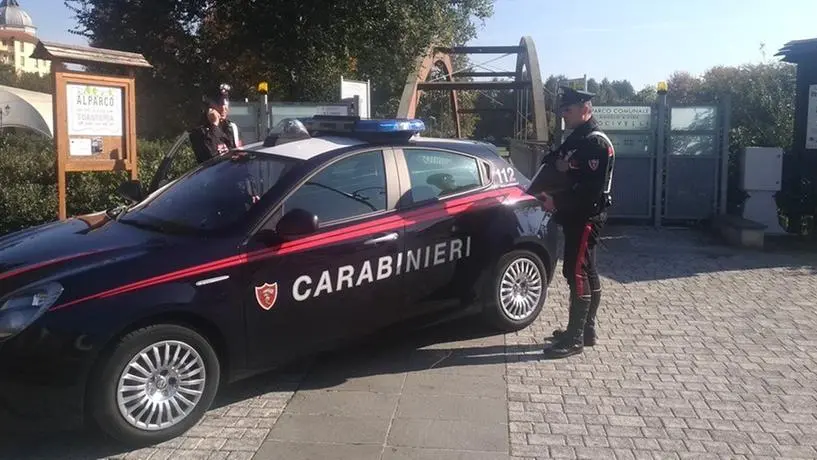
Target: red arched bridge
x=530, y=120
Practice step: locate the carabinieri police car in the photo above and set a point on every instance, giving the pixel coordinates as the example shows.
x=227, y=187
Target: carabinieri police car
x=331, y=228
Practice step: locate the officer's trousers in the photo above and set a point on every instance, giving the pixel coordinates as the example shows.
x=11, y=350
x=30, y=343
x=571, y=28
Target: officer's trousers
x=579, y=260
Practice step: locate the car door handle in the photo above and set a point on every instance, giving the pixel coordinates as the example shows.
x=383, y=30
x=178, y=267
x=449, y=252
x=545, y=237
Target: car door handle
x=382, y=239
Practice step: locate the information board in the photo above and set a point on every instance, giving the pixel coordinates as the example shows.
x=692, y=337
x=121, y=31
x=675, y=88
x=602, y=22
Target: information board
x=623, y=118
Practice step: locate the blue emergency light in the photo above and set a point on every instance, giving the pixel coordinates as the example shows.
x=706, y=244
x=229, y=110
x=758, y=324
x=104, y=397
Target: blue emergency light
x=370, y=130
x=355, y=125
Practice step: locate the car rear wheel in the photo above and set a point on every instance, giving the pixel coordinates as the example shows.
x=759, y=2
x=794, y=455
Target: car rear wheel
x=519, y=290
x=156, y=383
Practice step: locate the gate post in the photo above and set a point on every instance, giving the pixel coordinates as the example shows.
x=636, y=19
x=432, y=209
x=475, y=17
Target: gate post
x=726, y=121
x=660, y=150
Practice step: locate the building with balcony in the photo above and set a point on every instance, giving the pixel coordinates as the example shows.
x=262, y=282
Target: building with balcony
x=18, y=38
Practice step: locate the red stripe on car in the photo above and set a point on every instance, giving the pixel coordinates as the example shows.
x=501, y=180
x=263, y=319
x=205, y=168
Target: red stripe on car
x=28, y=268
x=391, y=222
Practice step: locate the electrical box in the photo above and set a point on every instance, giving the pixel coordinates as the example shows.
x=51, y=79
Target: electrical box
x=761, y=168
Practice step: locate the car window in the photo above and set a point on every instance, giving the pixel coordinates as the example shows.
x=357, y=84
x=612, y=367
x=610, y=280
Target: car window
x=351, y=187
x=436, y=174
x=212, y=197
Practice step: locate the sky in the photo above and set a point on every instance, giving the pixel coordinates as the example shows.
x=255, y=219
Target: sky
x=639, y=40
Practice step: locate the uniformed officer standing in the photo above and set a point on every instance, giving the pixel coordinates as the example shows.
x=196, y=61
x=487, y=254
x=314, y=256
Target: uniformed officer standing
x=227, y=125
x=587, y=157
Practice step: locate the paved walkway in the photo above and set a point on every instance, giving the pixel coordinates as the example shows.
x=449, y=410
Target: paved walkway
x=705, y=352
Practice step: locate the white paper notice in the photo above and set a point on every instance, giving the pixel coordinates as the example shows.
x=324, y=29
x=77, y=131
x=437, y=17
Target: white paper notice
x=80, y=148
x=811, y=118
x=94, y=110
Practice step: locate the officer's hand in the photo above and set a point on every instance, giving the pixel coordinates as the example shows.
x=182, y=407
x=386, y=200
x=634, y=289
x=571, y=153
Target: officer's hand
x=547, y=202
x=213, y=116
x=562, y=165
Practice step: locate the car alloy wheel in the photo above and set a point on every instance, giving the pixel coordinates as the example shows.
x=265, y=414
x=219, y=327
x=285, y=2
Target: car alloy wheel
x=154, y=384
x=161, y=385
x=520, y=289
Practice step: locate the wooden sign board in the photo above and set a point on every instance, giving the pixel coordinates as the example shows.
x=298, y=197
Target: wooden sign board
x=95, y=126
x=94, y=114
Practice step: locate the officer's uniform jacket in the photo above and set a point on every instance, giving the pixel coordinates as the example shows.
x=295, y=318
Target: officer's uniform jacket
x=231, y=129
x=590, y=156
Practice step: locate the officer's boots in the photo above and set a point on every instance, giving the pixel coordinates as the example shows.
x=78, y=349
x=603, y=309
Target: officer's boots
x=571, y=342
x=590, y=324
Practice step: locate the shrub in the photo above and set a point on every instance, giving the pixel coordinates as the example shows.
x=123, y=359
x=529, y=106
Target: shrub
x=28, y=181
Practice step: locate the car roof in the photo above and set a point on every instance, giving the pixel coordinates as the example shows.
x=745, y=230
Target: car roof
x=307, y=149
x=476, y=148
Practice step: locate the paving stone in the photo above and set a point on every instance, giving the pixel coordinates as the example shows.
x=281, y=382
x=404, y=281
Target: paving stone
x=492, y=386
x=448, y=434
x=329, y=429
x=347, y=403
x=408, y=453
x=466, y=408
x=286, y=450
x=701, y=353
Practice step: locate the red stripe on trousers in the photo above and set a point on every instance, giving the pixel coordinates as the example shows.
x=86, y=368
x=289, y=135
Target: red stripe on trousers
x=578, y=273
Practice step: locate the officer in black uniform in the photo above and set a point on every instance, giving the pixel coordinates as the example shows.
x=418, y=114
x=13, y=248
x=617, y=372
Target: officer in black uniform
x=228, y=126
x=208, y=139
x=587, y=158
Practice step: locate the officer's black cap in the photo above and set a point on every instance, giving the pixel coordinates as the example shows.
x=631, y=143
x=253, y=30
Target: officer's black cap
x=218, y=97
x=572, y=96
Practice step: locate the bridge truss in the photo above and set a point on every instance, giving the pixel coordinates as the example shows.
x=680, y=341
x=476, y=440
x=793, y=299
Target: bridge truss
x=530, y=120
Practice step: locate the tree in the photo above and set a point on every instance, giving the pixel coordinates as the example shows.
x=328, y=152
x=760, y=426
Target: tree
x=301, y=48
x=761, y=114
x=646, y=96
x=683, y=88
x=23, y=80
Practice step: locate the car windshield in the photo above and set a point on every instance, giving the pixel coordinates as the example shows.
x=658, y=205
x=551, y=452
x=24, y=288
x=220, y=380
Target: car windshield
x=210, y=198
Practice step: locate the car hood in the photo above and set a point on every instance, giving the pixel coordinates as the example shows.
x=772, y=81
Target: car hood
x=76, y=243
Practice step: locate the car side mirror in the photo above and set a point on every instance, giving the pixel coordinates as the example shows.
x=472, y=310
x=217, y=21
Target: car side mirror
x=297, y=223
x=131, y=190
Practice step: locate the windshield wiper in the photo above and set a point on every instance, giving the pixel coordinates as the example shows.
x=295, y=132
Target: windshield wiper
x=357, y=198
x=143, y=225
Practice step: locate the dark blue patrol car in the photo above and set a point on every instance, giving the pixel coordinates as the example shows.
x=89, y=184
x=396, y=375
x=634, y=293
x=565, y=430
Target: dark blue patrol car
x=330, y=229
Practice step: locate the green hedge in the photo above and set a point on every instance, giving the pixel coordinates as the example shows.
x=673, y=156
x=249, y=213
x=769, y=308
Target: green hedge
x=28, y=190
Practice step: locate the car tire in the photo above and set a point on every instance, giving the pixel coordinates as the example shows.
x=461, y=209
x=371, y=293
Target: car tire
x=527, y=268
x=123, y=382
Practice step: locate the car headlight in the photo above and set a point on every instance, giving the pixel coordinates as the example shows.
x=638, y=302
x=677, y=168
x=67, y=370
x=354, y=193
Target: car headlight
x=21, y=308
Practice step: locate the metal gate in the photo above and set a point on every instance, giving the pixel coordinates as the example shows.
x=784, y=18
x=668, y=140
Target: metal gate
x=694, y=163
x=249, y=116
x=631, y=128
x=671, y=162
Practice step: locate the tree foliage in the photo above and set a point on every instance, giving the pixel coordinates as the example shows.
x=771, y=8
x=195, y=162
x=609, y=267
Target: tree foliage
x=29, y=81
x=301, y=48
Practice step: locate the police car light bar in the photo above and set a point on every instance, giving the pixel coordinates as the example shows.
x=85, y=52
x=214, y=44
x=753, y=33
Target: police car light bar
x=355, y=125
x=384, y=130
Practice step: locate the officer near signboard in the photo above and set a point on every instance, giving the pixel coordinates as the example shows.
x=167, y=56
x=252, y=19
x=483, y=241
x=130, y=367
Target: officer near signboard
x=207, y=138
x=586, y=158
x=227, y=125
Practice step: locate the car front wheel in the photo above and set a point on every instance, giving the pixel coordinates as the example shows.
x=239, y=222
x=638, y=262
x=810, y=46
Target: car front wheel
x=156, y=383
x=519, y=290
